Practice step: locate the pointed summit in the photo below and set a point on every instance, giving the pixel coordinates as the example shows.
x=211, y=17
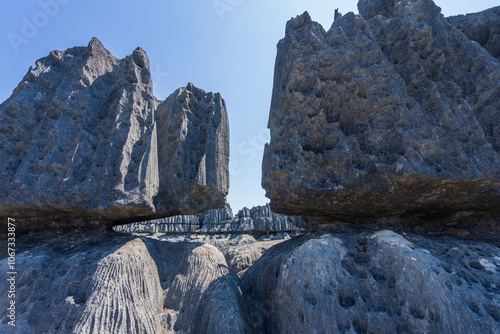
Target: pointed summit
x=95, y=43
x=300, y=21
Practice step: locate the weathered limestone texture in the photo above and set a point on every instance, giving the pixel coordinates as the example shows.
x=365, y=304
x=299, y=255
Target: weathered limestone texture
x=388, y=114
x=193, y=152
x=482, y=27
x=352, y=280
x=104, y=282
x=259, y=219
x=84, y=142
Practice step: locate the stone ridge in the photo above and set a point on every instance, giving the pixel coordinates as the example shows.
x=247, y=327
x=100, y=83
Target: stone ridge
x=79, y=144
x=259, y=219
x=482, y=27
x=393, y=114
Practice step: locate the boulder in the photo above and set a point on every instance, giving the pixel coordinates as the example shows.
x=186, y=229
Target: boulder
x=84, y=142
x=482, y=27
x=241, y=257
x=393, y=113
x=353, y=280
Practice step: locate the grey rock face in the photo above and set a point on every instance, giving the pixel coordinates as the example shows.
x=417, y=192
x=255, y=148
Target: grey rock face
x=262, y=219
x=350, y=280
x=394, y=113
x=240, y=250
x=241, y=257
x=193, y=152
x=82, y=138
x=259, y=219
x=103, y=282
x=482, y=27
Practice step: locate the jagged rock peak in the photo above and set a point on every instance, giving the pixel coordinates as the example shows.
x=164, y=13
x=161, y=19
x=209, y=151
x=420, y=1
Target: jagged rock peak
x=83, y=136
x=300, y=21
x=416, y=9
x=96, y=44
x=259, y=219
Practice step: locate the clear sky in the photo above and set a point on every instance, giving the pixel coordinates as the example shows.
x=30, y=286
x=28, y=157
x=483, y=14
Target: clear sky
x=226, y=46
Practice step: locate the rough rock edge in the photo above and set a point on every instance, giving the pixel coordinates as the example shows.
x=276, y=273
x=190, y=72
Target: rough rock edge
x=349, y=202
x=41, y=201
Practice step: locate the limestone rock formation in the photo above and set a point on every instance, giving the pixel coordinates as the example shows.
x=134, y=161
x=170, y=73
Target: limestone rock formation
x=482, y=27
x=85, y=142
x=259, y=219
x=391, y=113
x=262, y=219
x=241, y=257
x=351, y=280
x=241, y=250
x=104, y=282
x=193, y=152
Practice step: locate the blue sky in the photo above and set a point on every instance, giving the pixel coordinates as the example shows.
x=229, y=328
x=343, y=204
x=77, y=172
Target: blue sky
x=226, y=46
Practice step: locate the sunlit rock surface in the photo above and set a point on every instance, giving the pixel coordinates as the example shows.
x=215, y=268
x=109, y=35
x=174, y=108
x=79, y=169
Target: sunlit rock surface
x=259, y=219
x=391, y=113
x=84, y=142
x=352, y=280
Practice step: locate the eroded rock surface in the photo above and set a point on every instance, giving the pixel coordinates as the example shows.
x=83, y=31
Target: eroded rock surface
x=104, y=282
x=482, y=27
x=193, y=152
x=340, y=279
x=391, y=113
x=84, y=142
x=241, y=257
x=259, y=219
x=350, y=280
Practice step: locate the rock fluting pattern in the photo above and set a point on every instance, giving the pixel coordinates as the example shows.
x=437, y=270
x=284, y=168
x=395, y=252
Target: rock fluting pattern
x=362, y=281
x=104, y=282
x=337, y=280
x=84, y=141
x=259, y=219
x=391, y=113
x=482, y=27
